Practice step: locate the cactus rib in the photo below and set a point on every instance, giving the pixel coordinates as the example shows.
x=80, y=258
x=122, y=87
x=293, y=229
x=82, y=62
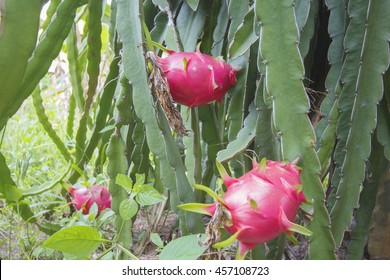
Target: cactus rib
x=283, y=83
x=369, y=23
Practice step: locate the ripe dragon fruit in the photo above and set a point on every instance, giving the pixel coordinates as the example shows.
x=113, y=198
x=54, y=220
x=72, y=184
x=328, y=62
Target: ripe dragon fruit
x=259, y=206
x=84, y=197
x=195, y=78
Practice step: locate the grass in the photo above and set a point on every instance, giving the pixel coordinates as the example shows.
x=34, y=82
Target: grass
x=31, y=155
x=33, y=160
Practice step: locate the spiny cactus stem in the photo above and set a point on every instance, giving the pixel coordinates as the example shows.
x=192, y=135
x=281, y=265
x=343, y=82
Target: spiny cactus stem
x=171, y=22
x=296, y=160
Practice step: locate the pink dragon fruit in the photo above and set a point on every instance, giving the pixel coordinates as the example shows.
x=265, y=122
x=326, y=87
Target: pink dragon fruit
x=84, y=197
x=259, y=206
x=195, y=78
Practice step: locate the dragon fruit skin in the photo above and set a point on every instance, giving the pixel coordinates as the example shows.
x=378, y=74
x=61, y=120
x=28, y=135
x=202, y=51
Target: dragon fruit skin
x=197, y=79
x=84, y=197
x=267, y=216
x=277, y=172
x=262, y=204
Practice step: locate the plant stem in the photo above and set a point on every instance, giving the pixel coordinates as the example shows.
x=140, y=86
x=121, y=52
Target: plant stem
x=127, y=252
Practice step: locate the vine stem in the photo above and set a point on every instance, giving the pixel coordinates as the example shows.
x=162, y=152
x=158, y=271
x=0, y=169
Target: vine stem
x=127, y=252
x=123, y=249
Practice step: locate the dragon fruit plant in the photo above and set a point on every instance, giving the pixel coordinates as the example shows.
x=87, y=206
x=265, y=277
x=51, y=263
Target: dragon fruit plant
x=195, y=78
x=258, y=206
x=84, y=197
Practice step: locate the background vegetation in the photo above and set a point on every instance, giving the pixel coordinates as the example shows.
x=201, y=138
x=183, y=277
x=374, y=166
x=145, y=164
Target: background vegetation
x=76, y=109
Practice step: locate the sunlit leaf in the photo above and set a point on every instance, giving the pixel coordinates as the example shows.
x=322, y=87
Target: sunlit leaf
x=148, y=196
x=124, y=181
x=156, y=240
x=128, y=209
x=183, y=248
x=79, y=241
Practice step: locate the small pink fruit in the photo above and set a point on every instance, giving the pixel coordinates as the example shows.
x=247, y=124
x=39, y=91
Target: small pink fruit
x=84, y=197
x=260, y=205
x=195, y=78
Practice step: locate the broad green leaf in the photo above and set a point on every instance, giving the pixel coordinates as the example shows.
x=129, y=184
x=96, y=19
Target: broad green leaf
x=140, y=180
x=79, y=241
x=183, y=248
x=124, y=181
x=128, y=209
x=156, y=240
x=148, y=196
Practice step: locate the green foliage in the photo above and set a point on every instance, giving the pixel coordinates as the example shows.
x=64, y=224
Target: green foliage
x=84, y=64
x=183, y=248
x=139, y=194
x=172, y=168
x=156, y=239
x=79, y=241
